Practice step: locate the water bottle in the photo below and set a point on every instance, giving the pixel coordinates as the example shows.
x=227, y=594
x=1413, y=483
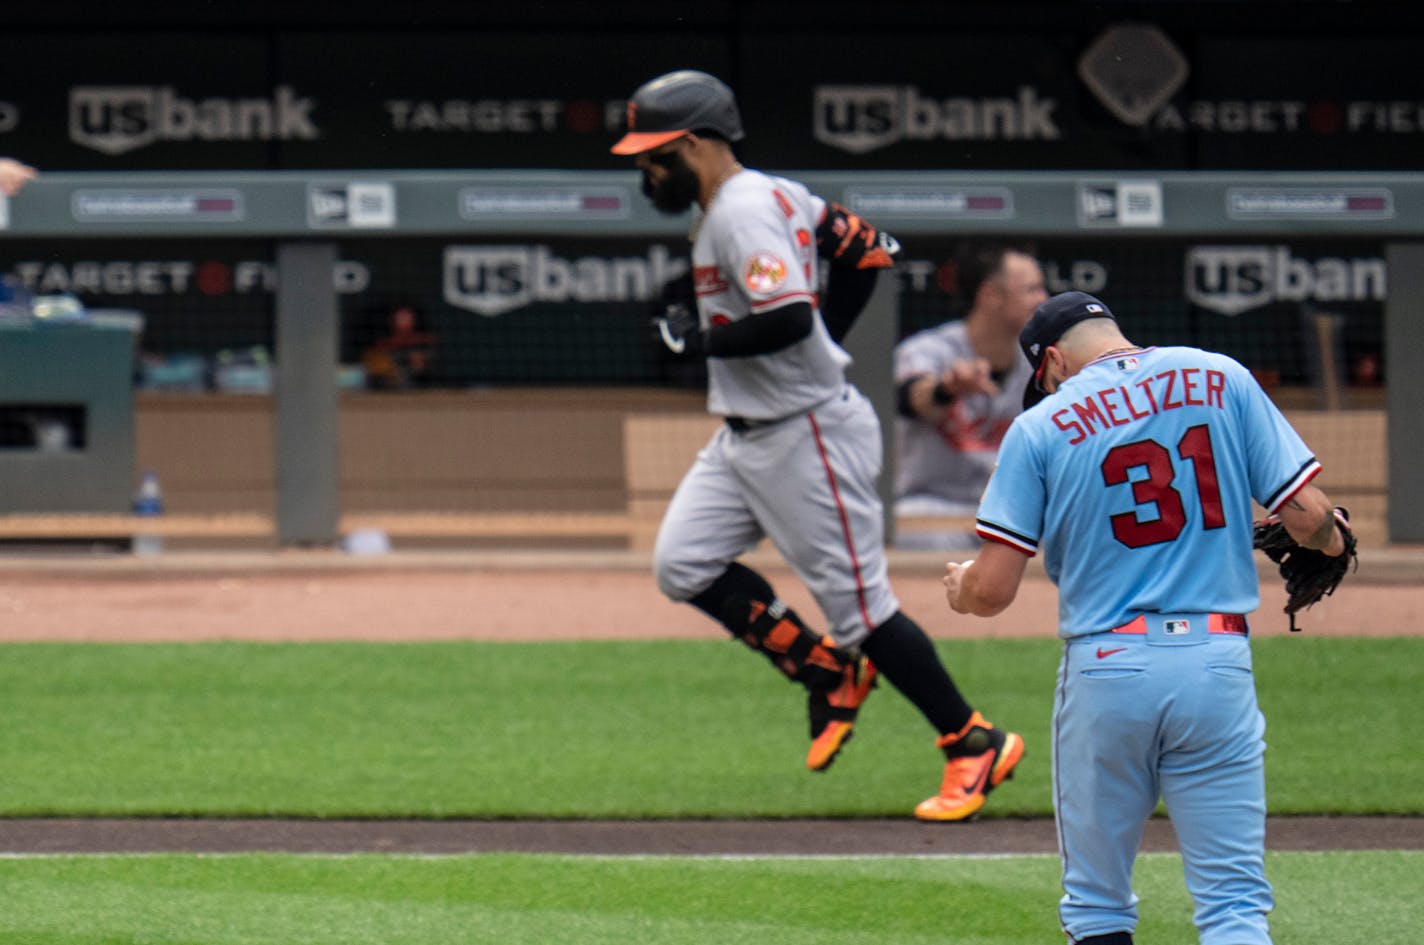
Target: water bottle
x=148, y=502
x=14, y=300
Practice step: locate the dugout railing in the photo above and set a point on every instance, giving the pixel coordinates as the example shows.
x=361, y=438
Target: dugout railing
x=308, y=217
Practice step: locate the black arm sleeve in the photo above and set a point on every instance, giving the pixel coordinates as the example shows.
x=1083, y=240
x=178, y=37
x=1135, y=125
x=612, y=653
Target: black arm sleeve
x=761, y=333
x=904, y=408
x=847, y=291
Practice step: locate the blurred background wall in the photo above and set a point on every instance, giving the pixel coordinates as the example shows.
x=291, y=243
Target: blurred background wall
x=512, y=389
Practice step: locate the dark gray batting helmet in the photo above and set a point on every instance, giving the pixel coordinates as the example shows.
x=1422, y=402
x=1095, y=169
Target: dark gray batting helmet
x=676, y=103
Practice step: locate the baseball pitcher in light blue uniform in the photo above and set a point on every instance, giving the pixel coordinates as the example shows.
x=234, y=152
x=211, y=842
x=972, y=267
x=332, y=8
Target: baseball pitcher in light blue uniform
x=1133, y=470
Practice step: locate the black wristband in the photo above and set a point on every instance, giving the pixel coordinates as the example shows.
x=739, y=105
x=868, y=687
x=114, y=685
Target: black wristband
x=942, y=394
x=902, y=398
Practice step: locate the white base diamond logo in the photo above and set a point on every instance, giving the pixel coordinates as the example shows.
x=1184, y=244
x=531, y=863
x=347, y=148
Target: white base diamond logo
x=1133, y=69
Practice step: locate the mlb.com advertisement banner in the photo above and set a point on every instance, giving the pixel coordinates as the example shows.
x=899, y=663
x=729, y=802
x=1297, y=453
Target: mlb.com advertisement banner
x=1129, y=95
x=531, y=311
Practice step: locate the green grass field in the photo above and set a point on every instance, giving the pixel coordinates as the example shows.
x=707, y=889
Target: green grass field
x=623, y=730
x=536, y=900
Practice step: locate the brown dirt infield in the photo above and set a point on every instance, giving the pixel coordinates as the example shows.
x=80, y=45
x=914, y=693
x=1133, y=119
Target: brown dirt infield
x=511, y=595
x=870, y=837
x=325, y=595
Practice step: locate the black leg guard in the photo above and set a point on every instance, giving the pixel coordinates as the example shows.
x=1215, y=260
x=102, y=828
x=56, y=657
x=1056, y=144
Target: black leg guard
x=774, y=629
x=837, y=681
x=905, y=656
x=744, y=602
x=1112, y=938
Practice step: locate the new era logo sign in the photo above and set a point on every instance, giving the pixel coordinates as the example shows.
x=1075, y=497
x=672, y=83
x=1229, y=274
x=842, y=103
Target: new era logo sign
x=1120, y=203
x=356, y=205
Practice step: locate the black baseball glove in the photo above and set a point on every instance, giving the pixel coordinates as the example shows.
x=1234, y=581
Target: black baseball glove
x=679, y=331
x=1309, y=574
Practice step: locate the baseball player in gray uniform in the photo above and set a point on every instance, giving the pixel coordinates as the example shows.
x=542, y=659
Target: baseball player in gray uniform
x=958, y=388
x=797, y=459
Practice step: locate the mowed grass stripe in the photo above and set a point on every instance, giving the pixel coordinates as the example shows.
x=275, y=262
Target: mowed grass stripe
x=515, y=899
x=662, y=729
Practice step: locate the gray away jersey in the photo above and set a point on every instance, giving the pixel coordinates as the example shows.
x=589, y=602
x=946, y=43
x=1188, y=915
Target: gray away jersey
x=952, y=461
x=756, y=251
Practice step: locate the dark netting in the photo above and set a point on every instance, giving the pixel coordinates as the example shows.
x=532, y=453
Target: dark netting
x=1298, y=313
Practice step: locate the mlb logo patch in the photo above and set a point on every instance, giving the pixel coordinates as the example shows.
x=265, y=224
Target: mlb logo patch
x=1126, y=364
x=1176, y=628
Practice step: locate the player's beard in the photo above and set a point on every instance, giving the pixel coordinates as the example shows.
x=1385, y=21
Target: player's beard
x=677, y=190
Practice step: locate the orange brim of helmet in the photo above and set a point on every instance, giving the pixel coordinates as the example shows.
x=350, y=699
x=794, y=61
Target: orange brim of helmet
x=636, y=142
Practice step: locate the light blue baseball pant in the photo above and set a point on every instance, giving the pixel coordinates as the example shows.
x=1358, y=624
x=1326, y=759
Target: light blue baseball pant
x=1171, y=715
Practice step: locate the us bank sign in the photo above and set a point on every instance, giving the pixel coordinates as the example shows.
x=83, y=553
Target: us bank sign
x=116, y=119
x=1233, y=279
x=862, y=118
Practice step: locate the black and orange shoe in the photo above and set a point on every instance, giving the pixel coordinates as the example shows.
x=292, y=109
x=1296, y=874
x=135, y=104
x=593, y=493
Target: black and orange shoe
x=980, y=758
x=832, y=712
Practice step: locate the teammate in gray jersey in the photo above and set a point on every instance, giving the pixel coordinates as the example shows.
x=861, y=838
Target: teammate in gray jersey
x=958, y=387
x=797, y=459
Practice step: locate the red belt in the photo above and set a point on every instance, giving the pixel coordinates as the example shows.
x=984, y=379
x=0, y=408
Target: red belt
x=1215, y=623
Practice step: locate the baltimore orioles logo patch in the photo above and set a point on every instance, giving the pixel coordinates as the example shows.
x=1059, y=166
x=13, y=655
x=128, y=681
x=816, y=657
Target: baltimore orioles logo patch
x=763, y=272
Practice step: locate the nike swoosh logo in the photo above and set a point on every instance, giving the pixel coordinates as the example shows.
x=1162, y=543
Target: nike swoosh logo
x=975, y=785
x=1104, y=654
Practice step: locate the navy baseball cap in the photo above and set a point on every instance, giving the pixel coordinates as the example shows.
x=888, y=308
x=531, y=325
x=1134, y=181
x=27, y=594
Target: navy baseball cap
x=1049, y=323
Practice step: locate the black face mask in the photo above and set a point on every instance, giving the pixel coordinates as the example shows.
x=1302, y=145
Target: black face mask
x=679, y=187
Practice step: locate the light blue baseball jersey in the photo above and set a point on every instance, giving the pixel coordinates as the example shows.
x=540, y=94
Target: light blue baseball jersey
x=1136, y=478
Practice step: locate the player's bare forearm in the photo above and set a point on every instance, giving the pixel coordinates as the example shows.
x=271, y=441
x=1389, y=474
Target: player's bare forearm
x=14, y=175
x=928, y=396
x=1326, y=538
x=922, y=399
x=987, y=585
x=1310, y=519
x=963, y=596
